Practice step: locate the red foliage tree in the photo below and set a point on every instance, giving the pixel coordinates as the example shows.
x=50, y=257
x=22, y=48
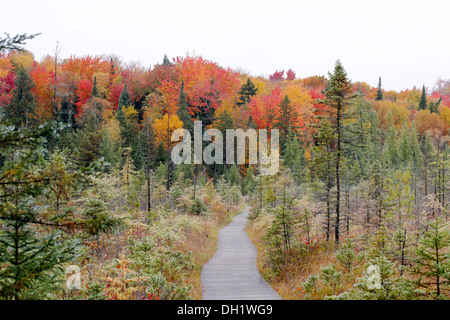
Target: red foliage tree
x=265, y=109
x=277, y=76
x=6, y=87
x=290, y=75
x=206, y=84
x=43, y=90
x=83, y=93
x=114, y=96
x=86, y=66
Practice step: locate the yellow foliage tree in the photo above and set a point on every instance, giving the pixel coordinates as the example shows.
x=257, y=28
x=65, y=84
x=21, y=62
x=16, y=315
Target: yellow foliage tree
x=5, y=66
x=445, y=115
x=25, y=58
x=102, y=83
x=303, y=105
x=425, y=120
x=391, y=113
x=112, y=125
x=160, y=126
x=261, y=86
x=130, y=113
x=95, y=105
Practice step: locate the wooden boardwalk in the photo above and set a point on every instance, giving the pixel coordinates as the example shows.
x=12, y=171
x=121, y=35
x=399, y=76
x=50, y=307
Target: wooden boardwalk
x=231, y=274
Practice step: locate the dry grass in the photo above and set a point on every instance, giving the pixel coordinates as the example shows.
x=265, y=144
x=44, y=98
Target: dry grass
x=298, y=267
x=106, y=259
x=203, y=244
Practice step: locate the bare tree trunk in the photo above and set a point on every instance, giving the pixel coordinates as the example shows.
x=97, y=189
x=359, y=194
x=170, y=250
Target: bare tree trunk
x=55, y=104
x=149, y=190
x=338, y=173
x=195, y=179
x=402, y=259
x=168, y=150
x=347, y=215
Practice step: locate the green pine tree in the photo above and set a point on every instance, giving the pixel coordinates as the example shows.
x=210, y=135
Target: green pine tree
x=285, y=122
x=416, y=155
x=247, y=91
x=124, y=101
x=428, y=151
x=294, y=155
x=279, y=236
x=149, y=158
x=233, y=176
x=21, y=110
x=88, y=142
x=390, y=149
x=249, y=183
x=322, y=165
x=97, y=218
x=95, y=92
x=166, y=61
x=379, y=96
x=68, y=111
x=183, y=113
x=348, y=256
x=33, y=246
x=124, y=98
x=338, y=97
x=423, y=100
x=432, y=259
x=403, y=144
x=137, y=153
x=107, y=149
x=434, y=106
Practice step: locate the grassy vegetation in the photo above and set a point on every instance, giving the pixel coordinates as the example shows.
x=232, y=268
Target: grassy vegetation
x=316, y=269
x=162, y=260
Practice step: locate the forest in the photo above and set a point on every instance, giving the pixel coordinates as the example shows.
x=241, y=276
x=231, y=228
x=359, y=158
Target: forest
x=358, y=209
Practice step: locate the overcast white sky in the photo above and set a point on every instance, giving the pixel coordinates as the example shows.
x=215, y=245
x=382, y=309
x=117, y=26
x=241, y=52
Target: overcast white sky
x=405, y=42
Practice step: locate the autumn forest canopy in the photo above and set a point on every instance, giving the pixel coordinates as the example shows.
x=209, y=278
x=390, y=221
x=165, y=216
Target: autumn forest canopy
x=86, y=179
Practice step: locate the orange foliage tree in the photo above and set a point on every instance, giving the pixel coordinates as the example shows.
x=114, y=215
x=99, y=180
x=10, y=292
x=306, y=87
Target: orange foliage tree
x=164, y=128
x=43, y=91
x=425, y=120
x=206, y=84
x=265, y=109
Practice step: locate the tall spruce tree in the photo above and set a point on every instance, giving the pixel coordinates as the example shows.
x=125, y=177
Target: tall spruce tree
x=379, y=96
x=95, y=92
x=391, y=151
x=247, y=91
x=338, y=99
x=434, y=106
x=428, y=151
x=223, y=122
x=183, y=112
x=149, y=146
x=249, y=184
x=124, y=98
x=33, y=247
x=21, y=110
x=285, y=122
x=68, y=111
x=88, y=142
x=432, y=262
x=166, y=61
x=322, y=165
x=128, y=126
x=294, y=157
x=423, y=99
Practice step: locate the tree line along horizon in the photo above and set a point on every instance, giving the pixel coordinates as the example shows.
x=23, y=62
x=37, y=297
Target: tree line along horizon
x=344, y=145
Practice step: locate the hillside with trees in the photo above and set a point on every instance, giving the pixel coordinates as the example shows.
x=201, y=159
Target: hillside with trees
x=359, y=208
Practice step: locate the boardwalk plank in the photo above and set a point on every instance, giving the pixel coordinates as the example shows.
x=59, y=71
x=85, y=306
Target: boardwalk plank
x=231, y=274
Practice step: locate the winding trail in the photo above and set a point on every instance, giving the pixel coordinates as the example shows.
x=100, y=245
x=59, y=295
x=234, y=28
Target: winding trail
x=231, y=274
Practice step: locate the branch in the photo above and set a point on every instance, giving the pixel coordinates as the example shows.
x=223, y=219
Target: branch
x=16, y=42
